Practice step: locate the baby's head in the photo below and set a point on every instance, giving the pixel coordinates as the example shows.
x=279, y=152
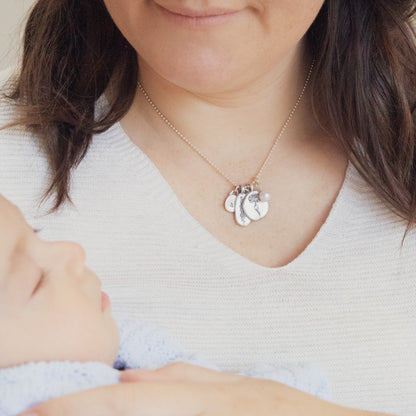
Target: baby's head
x=51, y=306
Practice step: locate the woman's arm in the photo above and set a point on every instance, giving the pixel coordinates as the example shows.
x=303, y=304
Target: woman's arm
x=186, y=390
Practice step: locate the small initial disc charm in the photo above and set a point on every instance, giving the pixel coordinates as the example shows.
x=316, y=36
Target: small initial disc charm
x=240, y=216
x=254, y=208
x=230, y=202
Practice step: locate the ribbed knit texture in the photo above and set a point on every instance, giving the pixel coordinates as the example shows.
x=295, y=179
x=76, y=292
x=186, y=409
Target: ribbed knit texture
x=347, y=303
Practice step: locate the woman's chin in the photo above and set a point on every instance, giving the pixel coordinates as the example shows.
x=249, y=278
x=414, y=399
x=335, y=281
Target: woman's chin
x=200, y=75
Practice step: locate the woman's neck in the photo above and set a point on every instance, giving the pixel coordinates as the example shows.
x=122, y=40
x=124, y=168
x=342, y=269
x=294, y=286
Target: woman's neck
x=247, y=118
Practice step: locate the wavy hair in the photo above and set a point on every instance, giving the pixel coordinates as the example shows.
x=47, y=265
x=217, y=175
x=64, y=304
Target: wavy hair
x=363, y=88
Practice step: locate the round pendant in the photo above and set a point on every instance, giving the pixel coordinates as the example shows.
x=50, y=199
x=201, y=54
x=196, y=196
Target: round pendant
x=230, y=202
x=240, y=215
x=254, y=208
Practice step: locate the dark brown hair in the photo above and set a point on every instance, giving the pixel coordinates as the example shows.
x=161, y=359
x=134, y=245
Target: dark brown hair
x=363, y=87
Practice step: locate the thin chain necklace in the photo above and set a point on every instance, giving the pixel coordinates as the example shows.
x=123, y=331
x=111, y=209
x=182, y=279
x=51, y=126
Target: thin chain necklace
x=246, y=202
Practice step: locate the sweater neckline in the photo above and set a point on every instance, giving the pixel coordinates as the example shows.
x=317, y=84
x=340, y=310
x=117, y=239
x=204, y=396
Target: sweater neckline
x=121, y=142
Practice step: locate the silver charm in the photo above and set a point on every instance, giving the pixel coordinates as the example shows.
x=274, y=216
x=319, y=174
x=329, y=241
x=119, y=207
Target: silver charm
x=240, y=216
x=230, y=202
x=254, y=207
x=247, y=204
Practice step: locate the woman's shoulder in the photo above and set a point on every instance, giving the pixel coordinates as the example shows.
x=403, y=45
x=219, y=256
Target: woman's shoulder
x=370, y=227
x=407, y=254
x=23, y=166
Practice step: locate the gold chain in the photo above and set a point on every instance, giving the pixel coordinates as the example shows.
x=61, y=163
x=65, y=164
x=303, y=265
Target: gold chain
x=256, y=178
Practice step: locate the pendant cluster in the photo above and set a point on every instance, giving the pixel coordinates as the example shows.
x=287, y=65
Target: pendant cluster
x=247, y=204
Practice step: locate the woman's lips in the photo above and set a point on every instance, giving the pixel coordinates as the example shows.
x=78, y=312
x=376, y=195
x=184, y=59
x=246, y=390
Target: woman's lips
x=105, y=301
x=196, y=18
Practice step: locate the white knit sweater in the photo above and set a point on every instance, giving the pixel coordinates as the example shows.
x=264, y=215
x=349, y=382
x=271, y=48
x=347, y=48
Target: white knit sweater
x=347, y=303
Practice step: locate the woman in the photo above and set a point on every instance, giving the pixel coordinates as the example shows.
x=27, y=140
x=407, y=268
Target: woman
x=261, y=181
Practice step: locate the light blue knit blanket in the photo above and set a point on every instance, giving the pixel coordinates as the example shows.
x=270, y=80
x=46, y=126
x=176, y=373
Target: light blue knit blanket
x=142, y=346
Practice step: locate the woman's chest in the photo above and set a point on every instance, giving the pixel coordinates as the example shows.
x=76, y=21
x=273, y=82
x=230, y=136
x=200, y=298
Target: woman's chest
x=357, y=324
x=359, y=327
x=302, y=190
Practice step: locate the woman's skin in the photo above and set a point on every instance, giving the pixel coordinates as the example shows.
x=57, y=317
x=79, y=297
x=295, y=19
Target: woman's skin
x=228, y=83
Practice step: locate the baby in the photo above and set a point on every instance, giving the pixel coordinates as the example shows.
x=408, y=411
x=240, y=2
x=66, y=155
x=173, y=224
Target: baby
x=58, y=335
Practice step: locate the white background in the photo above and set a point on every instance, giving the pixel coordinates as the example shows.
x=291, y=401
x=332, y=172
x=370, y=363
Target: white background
x=12, y=16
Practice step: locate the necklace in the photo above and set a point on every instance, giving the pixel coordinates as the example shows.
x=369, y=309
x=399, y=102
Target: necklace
x=246, y=202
